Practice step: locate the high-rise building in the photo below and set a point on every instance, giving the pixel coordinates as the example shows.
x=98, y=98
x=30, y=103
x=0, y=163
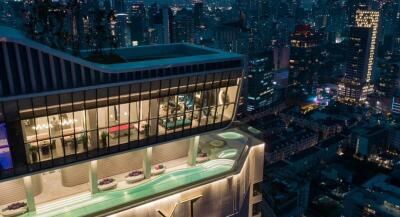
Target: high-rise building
x=160, y=21
x=260, y=91
x=304, y=61
x=130, y=136
x=121, y=30
x=357, y=81
x=183, y=27
x=137, y=19
x=198, y=13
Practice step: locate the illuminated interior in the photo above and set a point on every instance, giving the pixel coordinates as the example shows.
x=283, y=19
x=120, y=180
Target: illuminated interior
x=67, y=134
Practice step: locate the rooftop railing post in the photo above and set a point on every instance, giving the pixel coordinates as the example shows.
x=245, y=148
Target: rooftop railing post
x=147, y=155
x=93, y=177
x=193, y=150
x=30, y=198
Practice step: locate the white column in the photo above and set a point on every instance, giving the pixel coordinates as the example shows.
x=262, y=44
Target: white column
x=30, y=198
x=147, y=155
x=93, y=177
x=193, y=150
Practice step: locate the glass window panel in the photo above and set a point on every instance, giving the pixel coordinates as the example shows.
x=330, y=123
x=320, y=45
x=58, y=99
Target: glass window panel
x=103, y=137
x=67, y=123
x=145, y=91
x=90, y=99
x=91, y=119
x=57, y=148
x=78, y=102
x=102, y=99
x=124, y=94
x=102, y=117
x=113, y=115
x=164, y=87
x=92, y=140
x=78, y=121
x=183, y=84
x=231, y=97
x=174, y=86
x=39, y=104
x=29, y=130
x=155, y=89
x=53, y=104
x=124, y=113
x=69, y=144
x=66, y=102
x=33, y=152
x=133, y=132
x=135, y=90
x=134, y=111
x=56, y=123
x=25, y=108
x=42, y=128
x=44, y=149
x=113, y=95
x=82, y=142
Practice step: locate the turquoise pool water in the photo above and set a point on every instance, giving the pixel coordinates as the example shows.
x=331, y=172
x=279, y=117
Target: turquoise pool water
x=230, y=135
x=110, y=199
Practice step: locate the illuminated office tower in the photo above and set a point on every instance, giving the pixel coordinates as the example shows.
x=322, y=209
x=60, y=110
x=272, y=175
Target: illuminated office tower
x=260, y=91
x=147, y=134
x=304, y=61
x=121, y=30
x=357, y=84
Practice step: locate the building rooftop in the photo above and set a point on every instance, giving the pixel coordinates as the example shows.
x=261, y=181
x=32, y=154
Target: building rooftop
x=303, y=154
x=136, y=58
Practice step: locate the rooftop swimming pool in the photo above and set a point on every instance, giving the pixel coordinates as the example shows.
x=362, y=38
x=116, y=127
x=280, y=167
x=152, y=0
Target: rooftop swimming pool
x=222, y=160
x=110, y=199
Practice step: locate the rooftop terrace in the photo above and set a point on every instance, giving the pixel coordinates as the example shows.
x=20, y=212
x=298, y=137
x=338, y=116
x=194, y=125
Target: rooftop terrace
x=133, y=58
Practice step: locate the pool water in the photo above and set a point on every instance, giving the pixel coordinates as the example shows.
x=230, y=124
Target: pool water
x=103, y=201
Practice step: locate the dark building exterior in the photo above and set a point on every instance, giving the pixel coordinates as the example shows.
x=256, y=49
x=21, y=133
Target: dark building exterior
x=304, y=62
x=198, y=13
x=137, y=19
x=183, y=27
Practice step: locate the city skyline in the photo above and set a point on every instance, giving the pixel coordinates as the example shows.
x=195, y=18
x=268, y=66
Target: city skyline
x=246, y=108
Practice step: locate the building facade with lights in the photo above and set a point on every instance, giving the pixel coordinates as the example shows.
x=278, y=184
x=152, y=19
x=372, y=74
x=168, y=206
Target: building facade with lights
x=87, y=136
x=357, y=83
x=260, y=89
x=303, y=63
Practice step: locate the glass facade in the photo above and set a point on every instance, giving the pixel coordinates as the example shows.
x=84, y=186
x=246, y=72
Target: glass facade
x=61, y=128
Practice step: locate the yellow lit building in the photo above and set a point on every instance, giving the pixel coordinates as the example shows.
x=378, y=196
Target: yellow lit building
x=356, y=84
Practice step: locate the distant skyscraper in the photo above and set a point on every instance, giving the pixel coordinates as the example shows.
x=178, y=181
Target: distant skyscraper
x=160, y=23
x=198, y=13
x=259, y=81
x=122, y=31
x=137, y=18
x=356, y=84
x=304, y=62
x=183, y=26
